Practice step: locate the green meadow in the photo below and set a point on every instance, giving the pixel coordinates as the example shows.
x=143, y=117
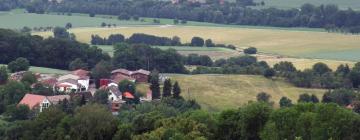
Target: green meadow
x=17, y=19
x=45, y=70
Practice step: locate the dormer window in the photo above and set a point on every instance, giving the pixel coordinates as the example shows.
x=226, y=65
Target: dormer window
x=45, y=105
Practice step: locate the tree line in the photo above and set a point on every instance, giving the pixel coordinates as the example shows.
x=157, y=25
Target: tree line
x=235, y=65
x=319, y=76
x=329, y=17
x=141, y=56
x=140, y=38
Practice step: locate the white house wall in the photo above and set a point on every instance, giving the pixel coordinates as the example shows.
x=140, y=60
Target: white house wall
x=63, y=89
x=84, y=83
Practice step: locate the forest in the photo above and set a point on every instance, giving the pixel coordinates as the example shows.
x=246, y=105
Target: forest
x=176, y=118
x=55, y=52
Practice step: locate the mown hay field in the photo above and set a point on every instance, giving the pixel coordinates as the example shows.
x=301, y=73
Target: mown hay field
x=334, y=48
x=218, y=92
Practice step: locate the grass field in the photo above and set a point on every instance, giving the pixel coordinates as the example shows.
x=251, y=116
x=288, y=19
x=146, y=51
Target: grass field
x=46, y=70
x=293, y=43
x=17, y=19
x=214, y=52
x=217, y=92
x=286, y=4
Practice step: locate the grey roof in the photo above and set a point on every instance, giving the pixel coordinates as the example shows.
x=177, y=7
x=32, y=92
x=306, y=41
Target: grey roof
x=115, y=90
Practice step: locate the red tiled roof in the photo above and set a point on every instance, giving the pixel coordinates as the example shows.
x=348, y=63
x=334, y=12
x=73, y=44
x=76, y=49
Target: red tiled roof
x=141, y=71
x=71, y=81
x=123, y=71
x=49, y=81
x=32, y=100
x=80, y=72
x=128, y=95
x=63, y=85
x=57, y=98
x=83, y=74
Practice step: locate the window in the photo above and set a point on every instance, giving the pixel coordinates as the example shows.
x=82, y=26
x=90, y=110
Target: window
x=45, y=105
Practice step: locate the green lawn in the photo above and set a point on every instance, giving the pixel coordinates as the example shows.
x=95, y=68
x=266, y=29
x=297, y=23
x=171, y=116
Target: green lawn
x=46, y=70
x=286, y=4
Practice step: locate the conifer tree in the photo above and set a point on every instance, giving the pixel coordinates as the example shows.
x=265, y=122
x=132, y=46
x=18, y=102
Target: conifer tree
x=176, y=90
x=167, y=88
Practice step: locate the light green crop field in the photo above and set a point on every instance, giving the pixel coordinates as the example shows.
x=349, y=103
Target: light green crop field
x=18, y=19
x=286, y=4
x=45, y=70
x=218, y=92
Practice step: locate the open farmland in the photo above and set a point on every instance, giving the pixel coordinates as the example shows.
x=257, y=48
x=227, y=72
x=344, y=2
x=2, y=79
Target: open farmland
x=18, y=19
x=286, y=4
x=217, y=92
x=286, y=43
x=214, y=52
x=282, y=42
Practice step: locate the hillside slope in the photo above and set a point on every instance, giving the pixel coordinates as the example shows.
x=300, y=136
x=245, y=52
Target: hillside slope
x=217, y=92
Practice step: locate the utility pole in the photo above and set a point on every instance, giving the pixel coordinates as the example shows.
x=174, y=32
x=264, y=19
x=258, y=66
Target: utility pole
x=148, y=64
x=188, y=91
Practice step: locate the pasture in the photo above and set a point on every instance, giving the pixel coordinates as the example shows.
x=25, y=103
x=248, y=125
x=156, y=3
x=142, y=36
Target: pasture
x=218, y=92
x=18, y=19
x=45, y=70
x=339, y=48
x=287, y=4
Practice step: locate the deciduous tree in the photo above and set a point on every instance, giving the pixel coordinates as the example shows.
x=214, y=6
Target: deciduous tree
x=20, y=64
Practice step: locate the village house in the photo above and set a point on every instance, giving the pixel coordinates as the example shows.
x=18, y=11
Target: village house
x=17, y=76
x=41, y=102
x=77, y=81
x=116, y=98
x=140, y=76
x=68, y=86
x=148, y=97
